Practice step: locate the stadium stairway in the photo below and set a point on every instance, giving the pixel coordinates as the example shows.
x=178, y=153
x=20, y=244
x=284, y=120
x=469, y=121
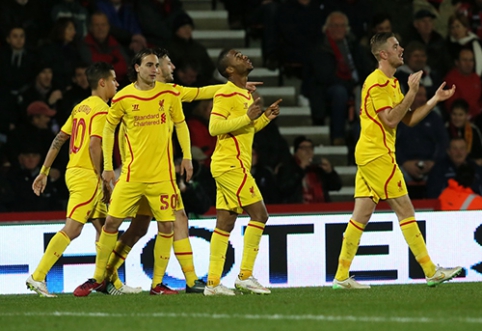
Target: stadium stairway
x=211, y=29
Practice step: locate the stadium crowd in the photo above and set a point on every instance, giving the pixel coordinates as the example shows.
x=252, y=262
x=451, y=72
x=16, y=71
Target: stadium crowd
x=47, y=45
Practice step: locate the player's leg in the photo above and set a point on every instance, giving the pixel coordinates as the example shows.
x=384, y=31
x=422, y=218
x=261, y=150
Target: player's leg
x=83, y=187
x=183, y=251
x=252, y=237
x=406, y=217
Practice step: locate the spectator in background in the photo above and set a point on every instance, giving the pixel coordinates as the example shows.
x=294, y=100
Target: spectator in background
x=79, y=91
x=460, y=126
x=188, y=73
x=74, y=10
x=300, y=180
x=441, y=9
x=461, y=37
x=422, y=146
x=21, y=177
x=100, y=46
x=62, y=51
x=17, y=68
x=473, y=10
x=457, y=154
x=185, y=50
x=156, y=18
x=467, y=82
x=198, y=124
x=124, y=24
x=265, y=179
x=458, y=195
x=337, y=67
x=415, y=58
x=359, y=13
x=41, y=89
x=437, y=55
x=32, y=16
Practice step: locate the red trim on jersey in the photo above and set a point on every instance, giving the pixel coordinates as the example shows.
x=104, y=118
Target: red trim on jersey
x=218, y=114
x=169, y=144
x=92, y=120
x=240, y=188
x=389, y=179
x=65, y=133
x=107, y=120
x=144, y=99
x=239, y=152
x=94, y=135
x=409, y=222
x=233, y=94
x=382, y=109
x=256, y=226
x=221, y=234
x=197, y=93
x=123, y=258
x=356, y=226
x=85, y=203
x=132, y=159
x=184, y=120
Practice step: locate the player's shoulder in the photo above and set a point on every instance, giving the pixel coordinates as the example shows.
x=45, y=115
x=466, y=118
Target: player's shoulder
x=166, y=88
x=377, y=79
x=124, y=92
x=230, y=90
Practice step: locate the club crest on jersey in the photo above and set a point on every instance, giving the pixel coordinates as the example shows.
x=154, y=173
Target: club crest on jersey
x=400, y=188
x=161, y=105
x=245, y=105
x=135, y=107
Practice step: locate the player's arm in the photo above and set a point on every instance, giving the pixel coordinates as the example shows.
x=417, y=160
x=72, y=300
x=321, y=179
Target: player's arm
x=182, y=132
x=108, y=135
x=269, y=114
x=392, y=116
x=40, y=182
x=189, y=94
x=414, y=117
x=219, y=122
x=95, y=146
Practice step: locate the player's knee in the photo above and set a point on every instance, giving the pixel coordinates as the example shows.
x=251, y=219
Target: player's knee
x=165, y=227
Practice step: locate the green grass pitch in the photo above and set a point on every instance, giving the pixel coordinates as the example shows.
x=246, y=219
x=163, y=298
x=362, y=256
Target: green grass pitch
x=453, y=306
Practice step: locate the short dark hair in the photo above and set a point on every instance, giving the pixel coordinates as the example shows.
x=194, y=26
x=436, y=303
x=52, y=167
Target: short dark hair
x=377, y=42
x=460, y=104
x=137, y=59
x=96, y=71
x=412, y=47
x=161, y=52
x=223, y=63
x=300, y=139
x=58, y=30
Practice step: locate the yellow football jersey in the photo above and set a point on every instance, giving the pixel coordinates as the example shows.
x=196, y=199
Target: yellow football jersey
x=233, y=128
x=379, y=93
x=86, y=120
x=148, y=119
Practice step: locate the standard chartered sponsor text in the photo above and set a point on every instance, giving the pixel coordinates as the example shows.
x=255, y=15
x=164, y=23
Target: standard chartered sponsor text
x=150, y=119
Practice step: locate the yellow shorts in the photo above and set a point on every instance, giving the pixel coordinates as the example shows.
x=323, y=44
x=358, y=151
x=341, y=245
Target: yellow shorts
x=236, y=189
x=85, y=195
x=162, y=198
x=380, y=179
x=144, y=208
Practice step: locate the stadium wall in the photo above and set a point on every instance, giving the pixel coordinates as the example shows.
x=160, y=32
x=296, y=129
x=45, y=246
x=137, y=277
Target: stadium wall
x=296, y=250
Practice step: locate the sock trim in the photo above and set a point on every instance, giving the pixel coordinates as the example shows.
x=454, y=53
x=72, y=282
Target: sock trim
x=183, y=253
x=255, y=226
x=221, y=233
x=119, y=255
x=164, y=235
x=356, y=226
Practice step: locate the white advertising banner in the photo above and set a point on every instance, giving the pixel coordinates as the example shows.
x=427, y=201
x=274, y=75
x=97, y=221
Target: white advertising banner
x=294, y=251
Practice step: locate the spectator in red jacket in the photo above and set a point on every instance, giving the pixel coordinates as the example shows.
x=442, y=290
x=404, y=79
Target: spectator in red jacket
x=458, y=195
x=198, y=125
x=99, y=45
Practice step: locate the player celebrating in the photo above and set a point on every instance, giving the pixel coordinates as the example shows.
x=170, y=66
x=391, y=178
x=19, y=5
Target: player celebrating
x=234, y=120
x=378, y=176
x=85, y=128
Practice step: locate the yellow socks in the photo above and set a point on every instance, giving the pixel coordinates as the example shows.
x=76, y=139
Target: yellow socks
x=162, y=253
x=116, y=259
x=415, y=241
x=106, y=244
x=351, y=240
x=54, y=251
x=183, y=252
x=219, y=246
x=252, y=237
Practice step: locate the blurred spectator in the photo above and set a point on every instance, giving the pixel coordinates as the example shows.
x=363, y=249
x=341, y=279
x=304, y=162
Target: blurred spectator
x=183, y=49
x=124, y=24
x=238, y=11
x=457, y=154
x=359, y=13
x=31, y=15
x=460, y=126
x=17, y=67
x=74, y=10
x=79, y=91
x=198, y=124
x=265, y=179
x=441, y=9
x=467, y=82
x=337, y=66
x=21, y=178
x=473, y=10
x=6, y=193
x=422, y=146
x=437, y=55
x=299, y=24
x=461, y=37
x=62, y=51
x=99, y=45
x=300, y=180
x=458, y=195
x=188, y=74
x=156, y=18
x=415, y=58
x=42, y=88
